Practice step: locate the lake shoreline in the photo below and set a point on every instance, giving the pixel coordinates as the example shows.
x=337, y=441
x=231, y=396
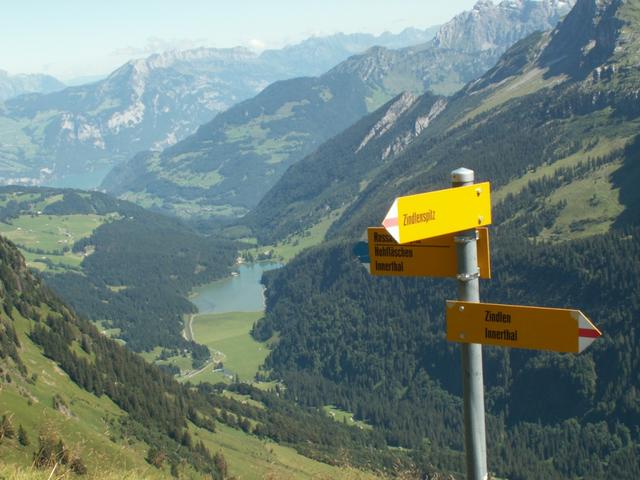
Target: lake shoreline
x=242, y=292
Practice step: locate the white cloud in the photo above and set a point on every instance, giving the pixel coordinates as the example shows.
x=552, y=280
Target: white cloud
x=257, y=44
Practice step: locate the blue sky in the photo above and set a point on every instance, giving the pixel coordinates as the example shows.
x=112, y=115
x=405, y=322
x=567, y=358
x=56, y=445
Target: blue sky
x=70, y=38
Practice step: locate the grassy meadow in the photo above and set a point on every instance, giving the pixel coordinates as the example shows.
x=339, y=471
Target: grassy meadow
x=46, y=240
x=229, y=339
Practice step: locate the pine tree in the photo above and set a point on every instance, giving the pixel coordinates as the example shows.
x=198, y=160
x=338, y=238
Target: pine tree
x=221, y=464
x=7, y=429
x=23, y=437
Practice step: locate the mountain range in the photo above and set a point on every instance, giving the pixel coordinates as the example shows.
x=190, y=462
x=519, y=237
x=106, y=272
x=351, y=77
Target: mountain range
x=15, y=85
x=74, y=136
x=586, y=70
x=227, y=166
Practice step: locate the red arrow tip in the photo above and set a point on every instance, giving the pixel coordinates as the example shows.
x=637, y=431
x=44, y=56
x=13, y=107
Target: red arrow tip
x=390, y=222
x=588, y=333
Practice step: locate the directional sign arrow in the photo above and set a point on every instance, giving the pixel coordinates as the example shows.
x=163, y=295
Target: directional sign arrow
x=537, y=328
x=434, y=257
x=432, y=214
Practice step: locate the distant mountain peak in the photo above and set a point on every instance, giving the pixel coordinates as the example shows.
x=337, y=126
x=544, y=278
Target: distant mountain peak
x=482, y=4
x=154, y=102
x=14, y=85
x=171, y=57
x=491, y=26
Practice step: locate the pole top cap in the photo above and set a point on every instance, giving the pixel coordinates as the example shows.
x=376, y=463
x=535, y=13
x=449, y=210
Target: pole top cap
x=462, y=175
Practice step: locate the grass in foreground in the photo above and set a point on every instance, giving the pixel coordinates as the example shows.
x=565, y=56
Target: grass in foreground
x=85, y=423
x=86, y=429
x=252, y=458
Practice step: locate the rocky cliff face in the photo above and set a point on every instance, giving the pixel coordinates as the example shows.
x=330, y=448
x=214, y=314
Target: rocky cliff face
x=496, y=27
x=587, y=38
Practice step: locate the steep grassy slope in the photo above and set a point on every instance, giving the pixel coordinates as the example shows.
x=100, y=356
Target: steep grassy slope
x=533, y=112
x=333, y=176
x=72, y=400
x=69, y=422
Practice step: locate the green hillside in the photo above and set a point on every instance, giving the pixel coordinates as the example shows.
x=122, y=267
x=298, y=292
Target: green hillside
x=533, y=116
x=78, y=412
x=337, y=172
x=74, y=401
x=554, y=127
x=527, y=118
x=119, y=265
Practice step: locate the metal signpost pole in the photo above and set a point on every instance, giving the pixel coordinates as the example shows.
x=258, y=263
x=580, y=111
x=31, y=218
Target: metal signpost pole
x=473, y=388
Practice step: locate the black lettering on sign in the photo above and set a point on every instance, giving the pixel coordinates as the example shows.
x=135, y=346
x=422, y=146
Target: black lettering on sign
x=383, y=238
x=497, y=317
x=393, y=251
x=390, y=266
x=510, y=335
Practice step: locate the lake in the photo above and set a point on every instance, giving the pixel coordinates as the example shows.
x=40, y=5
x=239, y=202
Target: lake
x=241, y=293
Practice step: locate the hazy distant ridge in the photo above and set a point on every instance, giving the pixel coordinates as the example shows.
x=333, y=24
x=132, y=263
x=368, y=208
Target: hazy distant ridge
x=154, y=102
x=14, y=85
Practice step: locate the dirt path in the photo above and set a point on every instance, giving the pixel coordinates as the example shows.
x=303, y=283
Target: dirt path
x=193, y=373
x=187, y=333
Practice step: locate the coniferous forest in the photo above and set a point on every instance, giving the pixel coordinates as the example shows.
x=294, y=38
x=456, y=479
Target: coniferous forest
x=376, y=347
x=142, y=266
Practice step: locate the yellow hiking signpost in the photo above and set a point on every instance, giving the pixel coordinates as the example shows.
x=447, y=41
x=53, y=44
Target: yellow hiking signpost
x=433, y=257
x=516, y=326
x=437, y=234
x=432, y=214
